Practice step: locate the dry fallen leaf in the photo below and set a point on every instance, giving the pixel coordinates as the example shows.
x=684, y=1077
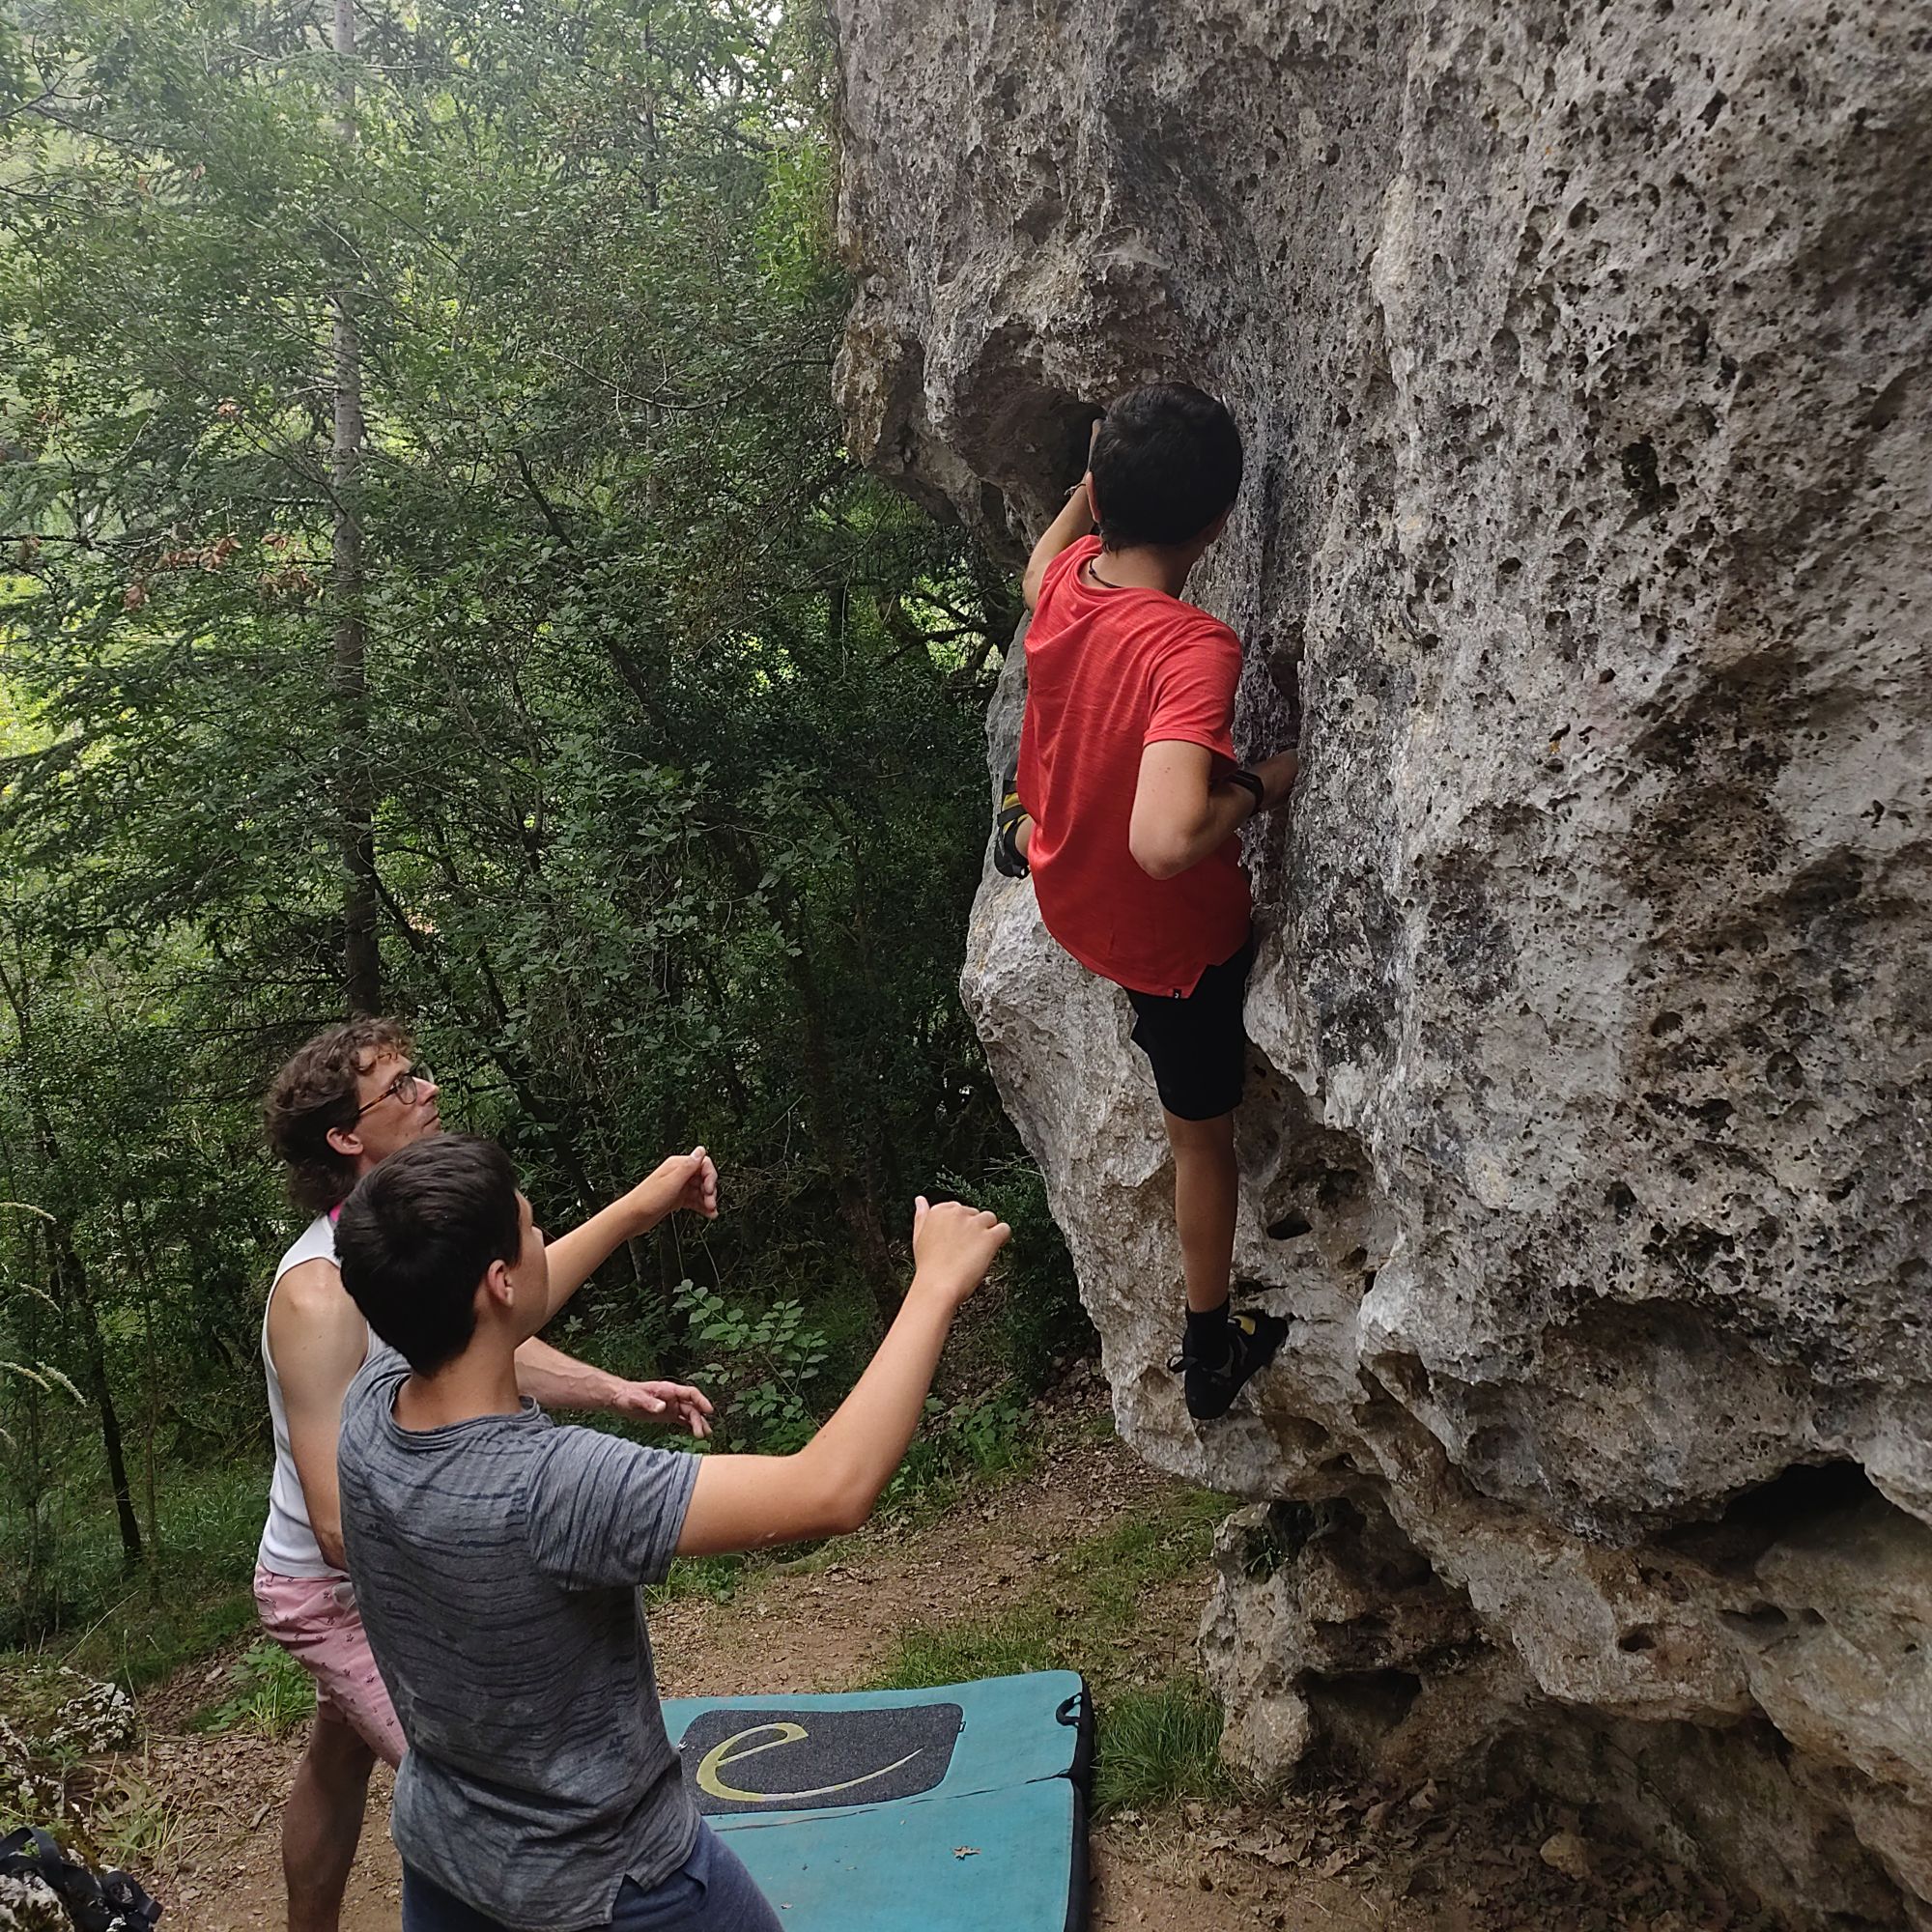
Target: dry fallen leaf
x=1567, y=1852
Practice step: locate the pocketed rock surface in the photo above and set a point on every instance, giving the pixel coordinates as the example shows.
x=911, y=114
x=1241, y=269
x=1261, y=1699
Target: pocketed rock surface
x=1582, y=357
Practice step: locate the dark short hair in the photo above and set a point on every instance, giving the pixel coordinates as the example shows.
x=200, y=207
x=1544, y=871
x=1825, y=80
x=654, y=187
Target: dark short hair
x=315, y=1091
x=419, y=1233
x=1166, y=464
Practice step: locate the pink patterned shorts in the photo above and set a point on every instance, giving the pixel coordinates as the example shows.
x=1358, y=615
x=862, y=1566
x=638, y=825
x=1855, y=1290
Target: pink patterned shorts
x=316, y=1621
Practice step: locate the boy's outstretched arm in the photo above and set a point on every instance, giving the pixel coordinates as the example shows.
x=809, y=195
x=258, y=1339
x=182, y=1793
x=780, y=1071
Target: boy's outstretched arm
x=1180, y=816
x=1074, y=521
x=748, y=1503
x=687, y=1181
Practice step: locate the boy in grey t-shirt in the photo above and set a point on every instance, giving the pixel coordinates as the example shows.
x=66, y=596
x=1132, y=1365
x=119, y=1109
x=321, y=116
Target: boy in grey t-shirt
x=495, y=1559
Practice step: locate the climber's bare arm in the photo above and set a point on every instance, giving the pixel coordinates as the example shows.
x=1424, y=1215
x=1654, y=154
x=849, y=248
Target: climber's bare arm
x=1181, y=814
x=829, y=1487
x=1074, y=521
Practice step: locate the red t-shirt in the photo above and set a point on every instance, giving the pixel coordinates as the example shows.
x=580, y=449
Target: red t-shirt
x=1108, y=673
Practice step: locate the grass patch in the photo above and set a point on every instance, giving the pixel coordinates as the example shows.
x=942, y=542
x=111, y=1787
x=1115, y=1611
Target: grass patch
x=134, y=1825
x=1159, y=1746
x=270, y=1695
x=1023, y=1638
x=1155, y=1744
x=714, y=1576
x=1149, y=1550
x=964, y=1447
x=1078, y=1616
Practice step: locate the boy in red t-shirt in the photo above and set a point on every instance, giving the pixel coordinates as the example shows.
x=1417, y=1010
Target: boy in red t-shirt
x=1127, y=804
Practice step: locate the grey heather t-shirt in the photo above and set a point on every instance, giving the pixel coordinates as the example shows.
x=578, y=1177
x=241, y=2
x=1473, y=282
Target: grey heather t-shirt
x=496, y=1563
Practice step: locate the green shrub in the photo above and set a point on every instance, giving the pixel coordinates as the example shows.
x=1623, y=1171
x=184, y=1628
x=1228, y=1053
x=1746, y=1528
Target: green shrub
x=1040, y=1314
x=193, y=1597
x=136, y=1822
x=713, y=1576
x=271, y=1695
x=984, y=1438
x=762, y=1364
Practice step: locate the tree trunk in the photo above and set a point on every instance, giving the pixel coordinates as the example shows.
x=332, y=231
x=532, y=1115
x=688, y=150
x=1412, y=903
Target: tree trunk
x=355, y=800
x=141, y=1265
x=70, y=1274
x=70, y=1277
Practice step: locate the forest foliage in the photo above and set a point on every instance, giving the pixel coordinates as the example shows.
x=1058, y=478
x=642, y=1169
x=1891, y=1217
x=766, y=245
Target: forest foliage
x=430, y=579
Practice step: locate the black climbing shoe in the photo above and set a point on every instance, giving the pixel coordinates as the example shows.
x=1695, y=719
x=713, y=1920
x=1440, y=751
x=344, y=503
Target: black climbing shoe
x=1211, y=1387
x=1007, y=858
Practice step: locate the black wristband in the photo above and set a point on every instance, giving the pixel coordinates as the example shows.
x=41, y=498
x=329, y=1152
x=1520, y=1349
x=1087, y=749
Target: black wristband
x=1251, y=783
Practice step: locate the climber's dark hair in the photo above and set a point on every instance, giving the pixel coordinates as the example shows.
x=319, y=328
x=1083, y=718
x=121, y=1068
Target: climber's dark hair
x=1166, y=464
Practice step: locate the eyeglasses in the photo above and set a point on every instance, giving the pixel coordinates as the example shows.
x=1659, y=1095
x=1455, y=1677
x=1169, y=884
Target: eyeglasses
x=403, y=1088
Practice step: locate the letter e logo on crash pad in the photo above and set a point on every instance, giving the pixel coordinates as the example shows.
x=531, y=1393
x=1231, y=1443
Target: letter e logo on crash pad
x=803, y=1760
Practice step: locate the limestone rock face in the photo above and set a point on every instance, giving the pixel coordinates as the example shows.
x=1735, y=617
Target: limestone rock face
x=1585, y=358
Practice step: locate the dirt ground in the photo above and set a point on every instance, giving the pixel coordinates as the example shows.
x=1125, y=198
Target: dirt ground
x=1331, y=1861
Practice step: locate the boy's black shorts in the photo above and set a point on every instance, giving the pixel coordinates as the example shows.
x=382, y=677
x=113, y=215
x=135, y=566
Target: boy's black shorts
x=1197, y=1045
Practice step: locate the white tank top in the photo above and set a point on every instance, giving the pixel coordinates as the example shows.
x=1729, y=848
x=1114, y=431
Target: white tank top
x=288, y=1544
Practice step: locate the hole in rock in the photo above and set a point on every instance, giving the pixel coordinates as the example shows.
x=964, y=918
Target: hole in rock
x=1796, y=1499
x=1637, y=1641
x=1891, y=401
x=1340, y=1189
x=1760, y=1620
x=1287, y=1530
x=1356, y=1710
x=1649, y=491
x=1497, y=1456
x=1300, y=1440
x=1407, y=1375
x=1323, y=1187
x=1362, y=1632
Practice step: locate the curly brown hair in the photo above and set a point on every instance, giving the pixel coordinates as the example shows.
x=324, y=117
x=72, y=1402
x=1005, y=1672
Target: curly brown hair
x=315, y=1091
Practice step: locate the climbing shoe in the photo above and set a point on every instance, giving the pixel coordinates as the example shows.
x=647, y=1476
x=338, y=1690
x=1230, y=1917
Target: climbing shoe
x=1008, y=857
x=1212, y=1375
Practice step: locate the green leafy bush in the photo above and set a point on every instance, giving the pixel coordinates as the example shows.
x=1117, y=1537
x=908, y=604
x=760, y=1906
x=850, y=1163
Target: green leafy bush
x=271, y=1694
x=763, y=1365
x=1041, y=1316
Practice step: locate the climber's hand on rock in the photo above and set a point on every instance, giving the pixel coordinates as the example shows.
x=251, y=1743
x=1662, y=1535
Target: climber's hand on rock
x=953, y=1247
x=1277, y=775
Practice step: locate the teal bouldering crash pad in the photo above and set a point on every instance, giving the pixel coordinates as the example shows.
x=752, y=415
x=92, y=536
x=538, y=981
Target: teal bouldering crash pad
x=956, y=1810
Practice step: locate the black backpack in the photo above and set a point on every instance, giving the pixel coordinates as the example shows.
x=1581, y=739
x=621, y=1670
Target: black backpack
x=108, y=1901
